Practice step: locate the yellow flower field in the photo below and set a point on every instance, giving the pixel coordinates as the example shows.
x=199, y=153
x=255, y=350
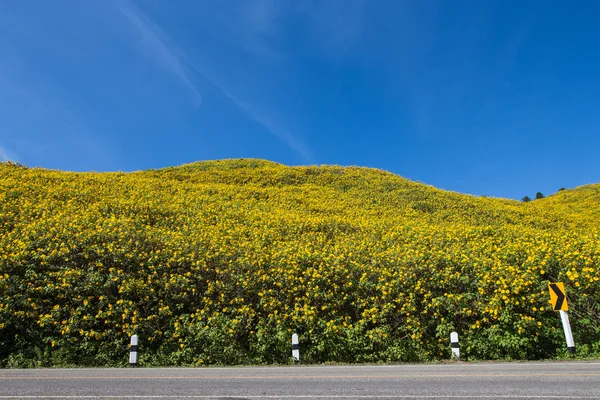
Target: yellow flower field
x=220, y=262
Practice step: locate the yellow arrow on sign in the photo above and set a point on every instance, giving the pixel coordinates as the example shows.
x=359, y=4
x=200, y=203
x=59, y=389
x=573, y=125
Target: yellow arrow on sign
x=558, y=296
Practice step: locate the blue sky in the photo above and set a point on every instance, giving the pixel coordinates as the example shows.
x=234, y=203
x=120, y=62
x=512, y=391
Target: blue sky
x=497, y=98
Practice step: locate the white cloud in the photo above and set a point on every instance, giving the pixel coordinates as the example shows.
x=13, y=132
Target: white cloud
x=155, y=43
x=160, y=47
x=261, y=118
x=281, y=132
x=335, y=26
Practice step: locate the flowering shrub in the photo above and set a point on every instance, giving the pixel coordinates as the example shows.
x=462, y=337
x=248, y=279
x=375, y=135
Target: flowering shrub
x=220, y=262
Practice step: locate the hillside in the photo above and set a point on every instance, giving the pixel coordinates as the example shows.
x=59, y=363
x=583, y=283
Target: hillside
x=219, y=262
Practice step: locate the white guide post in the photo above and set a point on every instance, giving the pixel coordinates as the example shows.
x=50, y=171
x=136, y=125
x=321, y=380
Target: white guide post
x=564, y=317
x=133, y=351
x=454, y=345
x=295, y=347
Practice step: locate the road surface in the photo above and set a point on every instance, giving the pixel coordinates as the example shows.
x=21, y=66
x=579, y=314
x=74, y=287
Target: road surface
x=564, y=380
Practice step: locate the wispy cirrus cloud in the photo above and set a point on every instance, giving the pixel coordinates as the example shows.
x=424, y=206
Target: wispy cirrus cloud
x=156, y=45
x=272, y=126
x=159, y=46
x=334, y=26
x=263, y=119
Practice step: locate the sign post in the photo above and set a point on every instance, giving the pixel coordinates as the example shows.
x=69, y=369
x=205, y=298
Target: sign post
x=454, y=345
x=558, y=298
x=295, y=347
x=133, y=351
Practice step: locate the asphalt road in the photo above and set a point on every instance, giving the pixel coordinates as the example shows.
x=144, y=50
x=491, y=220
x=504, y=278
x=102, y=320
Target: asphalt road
x=575, y=380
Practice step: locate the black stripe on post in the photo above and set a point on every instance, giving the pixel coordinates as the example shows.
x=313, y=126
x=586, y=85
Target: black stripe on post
x=560, y=297
x=133, y=351
x=571, y=350
x=295, y=347
x=454, y=345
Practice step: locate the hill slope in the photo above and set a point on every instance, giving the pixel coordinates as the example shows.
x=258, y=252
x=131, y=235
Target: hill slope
x=220, y=261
